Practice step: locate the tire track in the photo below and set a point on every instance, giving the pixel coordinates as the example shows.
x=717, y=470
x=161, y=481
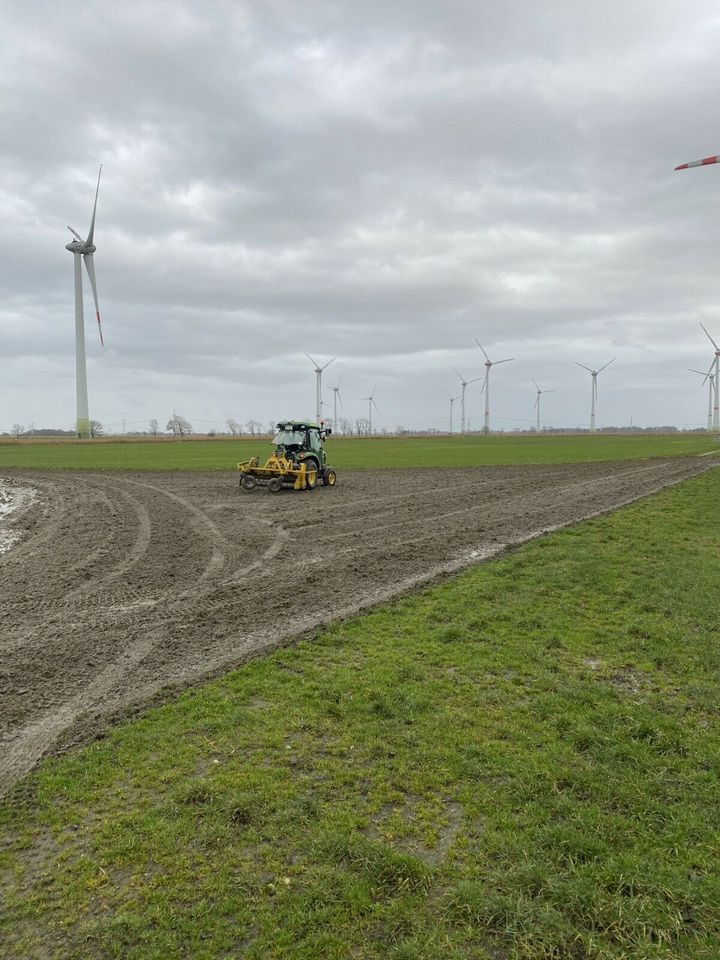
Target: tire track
x=132, y=557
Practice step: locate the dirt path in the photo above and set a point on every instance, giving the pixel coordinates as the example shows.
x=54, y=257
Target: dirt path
x=127, y=583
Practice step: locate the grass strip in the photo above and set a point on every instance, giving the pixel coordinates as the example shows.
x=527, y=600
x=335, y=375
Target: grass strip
x=521, y=762
x=352, y=453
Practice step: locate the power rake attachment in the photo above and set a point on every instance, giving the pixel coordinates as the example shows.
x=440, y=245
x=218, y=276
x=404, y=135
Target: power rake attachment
x=277, y=473
x=298, y=461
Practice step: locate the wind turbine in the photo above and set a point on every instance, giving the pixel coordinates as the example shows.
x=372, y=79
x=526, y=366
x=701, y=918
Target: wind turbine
x=336, y=391
x=465, y=383
x=711, y=390
x=318, y=385
x=594, y=388
x=537, y=402
x=486, y=386
x=716, y=364
x=85, y=249
x=452, y=401
x=371, y=404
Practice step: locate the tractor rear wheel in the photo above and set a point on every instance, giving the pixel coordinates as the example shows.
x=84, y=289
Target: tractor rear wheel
x=248, y=482
x=275, y=484
x=311, y=476
x=329, y=477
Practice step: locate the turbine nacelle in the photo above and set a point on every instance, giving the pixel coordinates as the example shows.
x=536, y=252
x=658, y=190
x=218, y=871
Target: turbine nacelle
x=80, y=246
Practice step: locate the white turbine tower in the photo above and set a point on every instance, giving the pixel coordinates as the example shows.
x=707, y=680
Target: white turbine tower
x=452, y=400
x=537, y=402
x=594, y=388
x=486, y=386
x=716, y=410
x=711, y=390
x=318, y=385
x=85, y=249
x=371, y=404
x=336, y=397
x=465, y=383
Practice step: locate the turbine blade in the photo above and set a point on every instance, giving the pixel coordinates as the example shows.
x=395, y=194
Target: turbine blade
x=482, y=348
x=583, y=366
x=76, y=234
x=506, y=360
x=91, y=234
x=537, y=400
x=698, y=163
x=536, y=386
x=607, y=364
x=313, y=362
x=475, y=380
x=459, y=374
x=710, y=338
x=90, y=266
x=710, y=375
x=328, y=363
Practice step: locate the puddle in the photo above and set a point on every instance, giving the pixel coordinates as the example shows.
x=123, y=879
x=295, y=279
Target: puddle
x=12, y=497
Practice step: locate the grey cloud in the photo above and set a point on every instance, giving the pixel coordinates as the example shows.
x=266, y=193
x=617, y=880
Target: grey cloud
x=384, y=184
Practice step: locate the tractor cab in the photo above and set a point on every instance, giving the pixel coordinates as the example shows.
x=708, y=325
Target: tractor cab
x=298, y=440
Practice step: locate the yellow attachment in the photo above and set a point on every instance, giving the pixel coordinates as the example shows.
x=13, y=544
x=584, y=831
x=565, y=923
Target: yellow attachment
x=275, y=466
x=300, y=483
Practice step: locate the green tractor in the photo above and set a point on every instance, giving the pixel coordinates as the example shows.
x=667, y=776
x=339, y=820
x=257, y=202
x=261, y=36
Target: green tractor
x=299, y=460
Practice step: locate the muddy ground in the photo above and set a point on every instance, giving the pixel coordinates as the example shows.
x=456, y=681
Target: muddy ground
x=124, y=584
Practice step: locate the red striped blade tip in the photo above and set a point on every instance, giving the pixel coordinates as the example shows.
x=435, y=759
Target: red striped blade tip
x=698, y=163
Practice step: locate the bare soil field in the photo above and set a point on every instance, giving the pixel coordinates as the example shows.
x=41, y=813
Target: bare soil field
x=126, y=586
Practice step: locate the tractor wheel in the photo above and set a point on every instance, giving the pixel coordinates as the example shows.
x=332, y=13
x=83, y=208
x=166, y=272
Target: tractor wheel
x=275, y=485
x=311, y=476
x=329, y=477
x=248, y=482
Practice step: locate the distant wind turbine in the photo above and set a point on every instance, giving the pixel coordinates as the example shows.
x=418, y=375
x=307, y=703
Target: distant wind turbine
x=85, y=249
x=711, y=390
x=318, y=385
x=336, y=397
x=465, y=383
x=452, y=401
x=594, y=388
x=371, y=404
x=486, y=385
x=537, y=403
x=706, y=161
x=716, y=411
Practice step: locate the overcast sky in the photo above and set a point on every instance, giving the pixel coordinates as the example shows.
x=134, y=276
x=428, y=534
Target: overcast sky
x=381, y=182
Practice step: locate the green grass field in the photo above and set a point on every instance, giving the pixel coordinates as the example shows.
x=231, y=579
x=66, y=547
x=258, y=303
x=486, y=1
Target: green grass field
x=522, y=762
x=351, y=454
